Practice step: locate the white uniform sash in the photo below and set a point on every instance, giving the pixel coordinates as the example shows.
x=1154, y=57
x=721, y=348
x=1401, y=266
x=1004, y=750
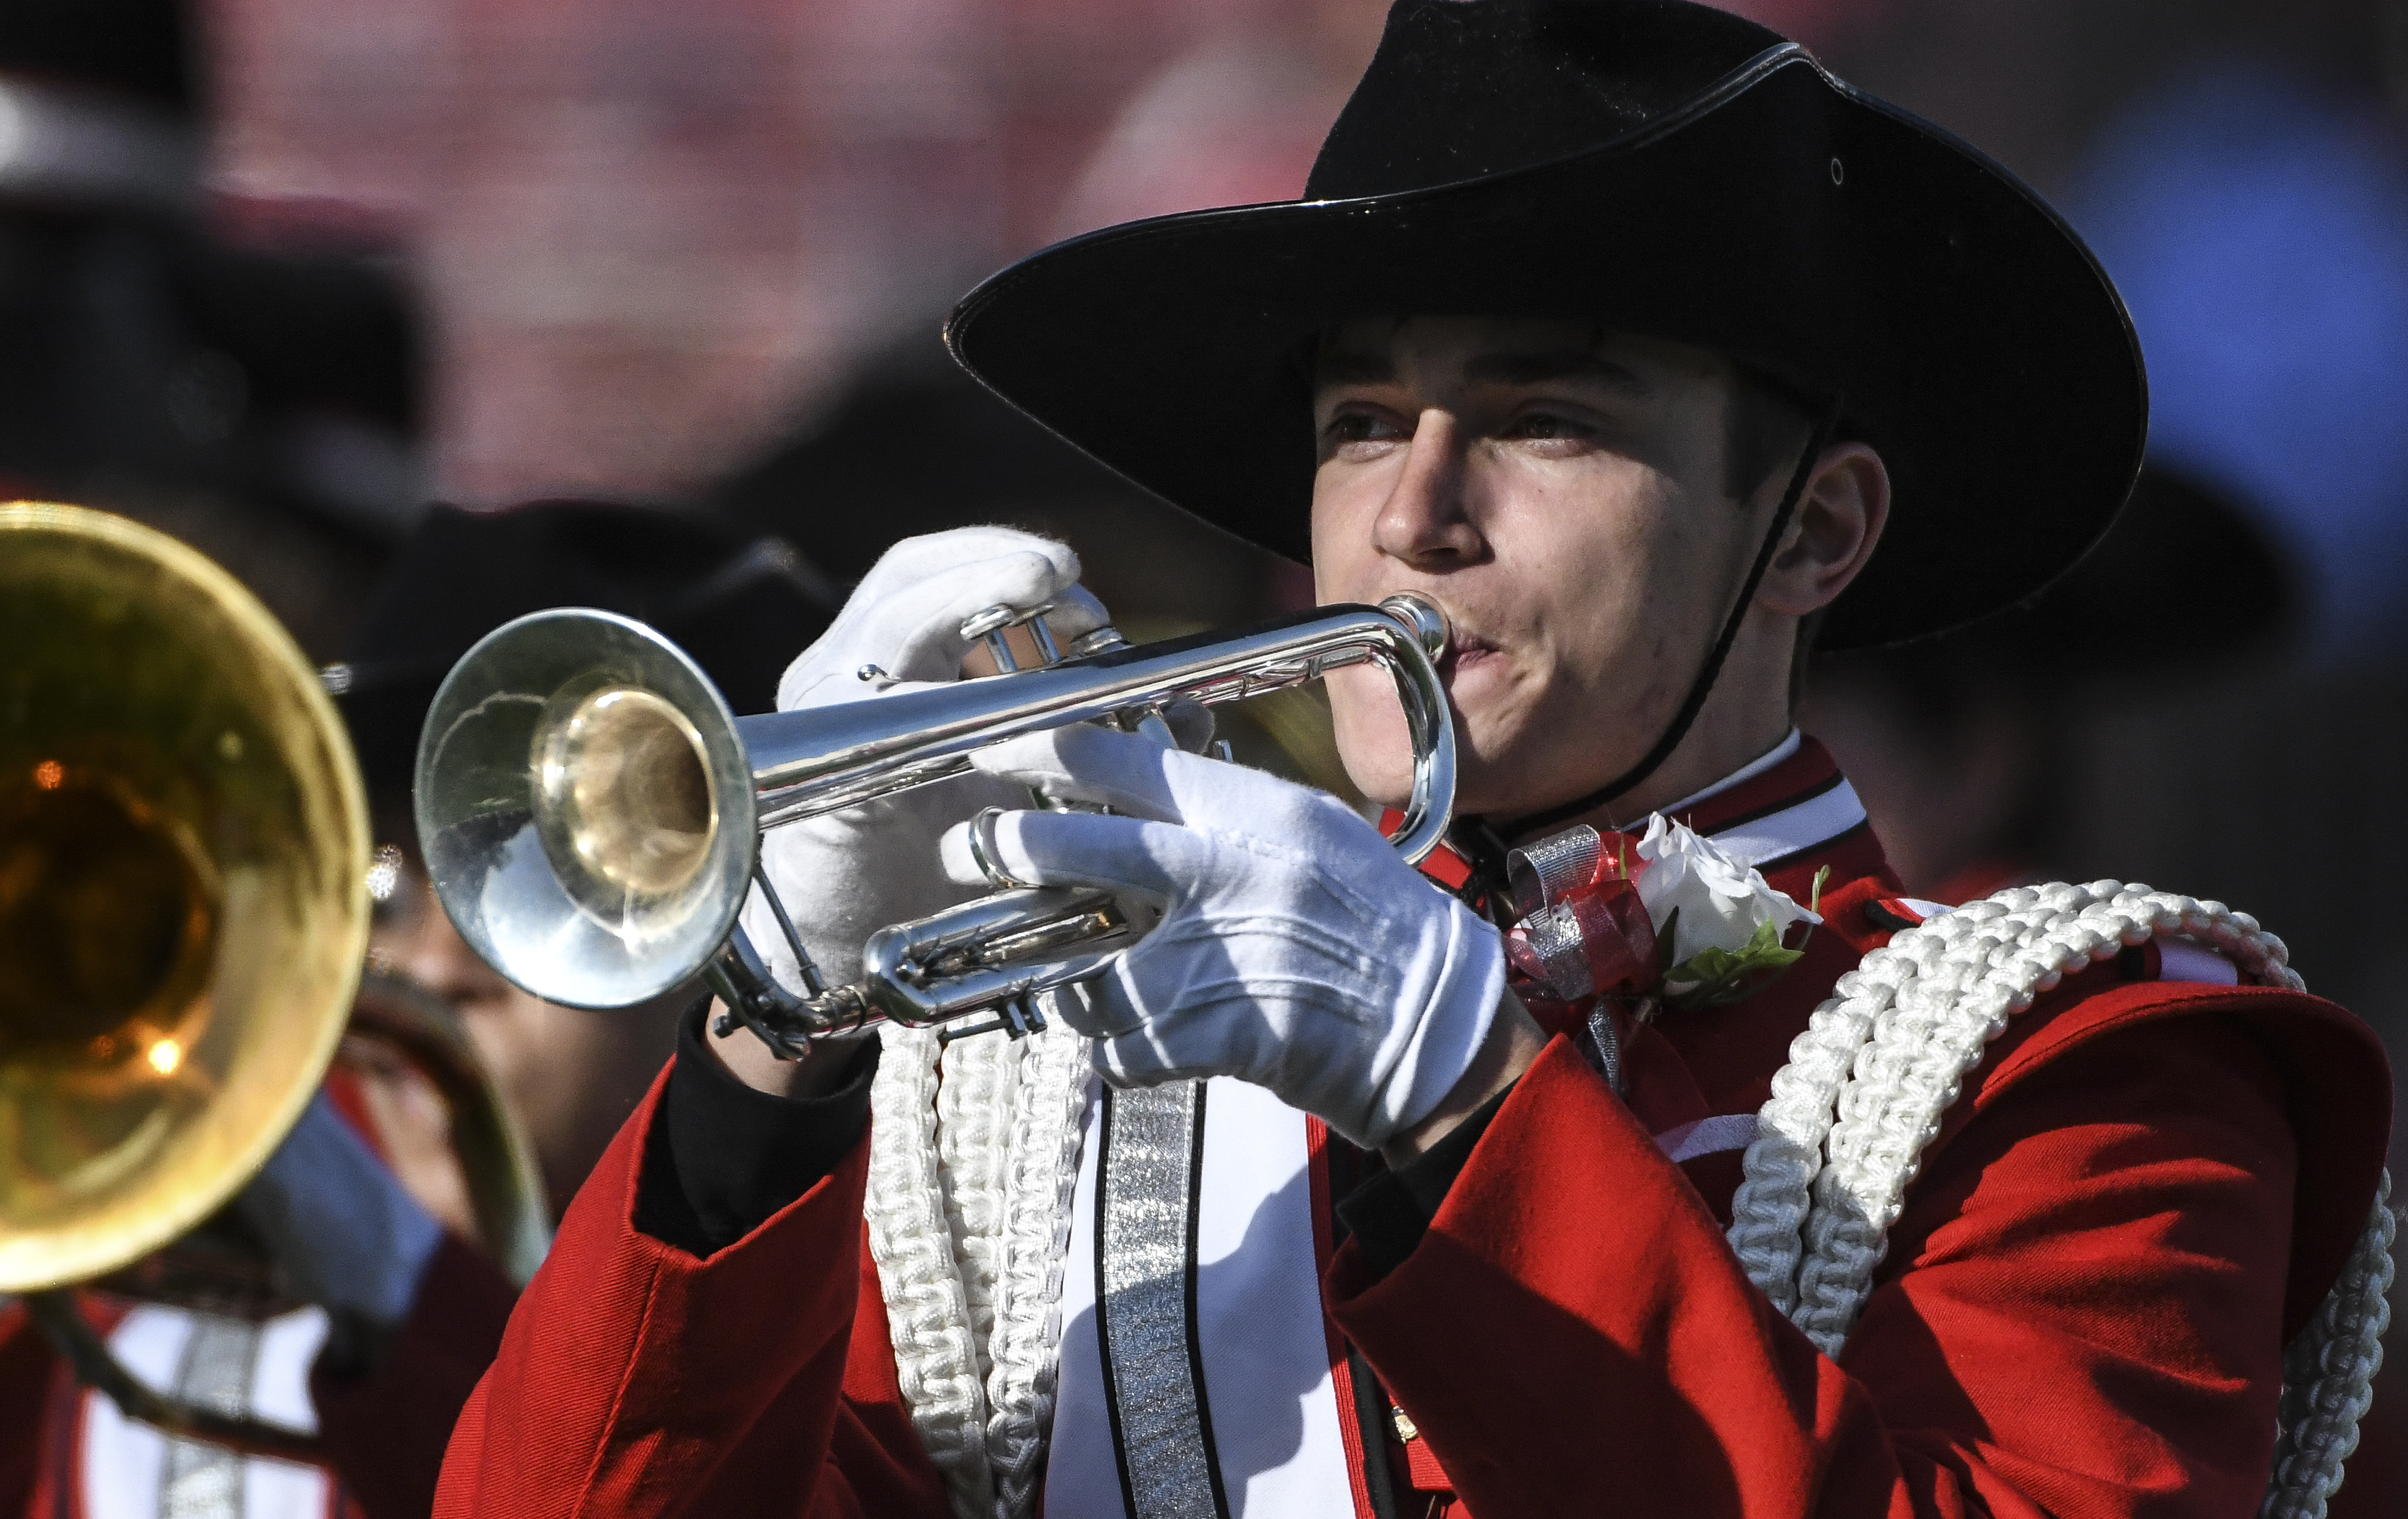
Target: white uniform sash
x=1249, y=1336
x=130, y=1470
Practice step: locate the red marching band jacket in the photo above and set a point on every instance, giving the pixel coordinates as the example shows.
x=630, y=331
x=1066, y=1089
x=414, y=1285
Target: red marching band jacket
x=2145, y=1190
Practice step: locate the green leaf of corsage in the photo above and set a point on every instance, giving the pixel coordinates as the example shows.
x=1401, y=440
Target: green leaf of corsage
x=1712, y=978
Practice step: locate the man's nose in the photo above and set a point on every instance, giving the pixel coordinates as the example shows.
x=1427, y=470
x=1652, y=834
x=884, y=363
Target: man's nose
x=438, y=959
x=1422, y=523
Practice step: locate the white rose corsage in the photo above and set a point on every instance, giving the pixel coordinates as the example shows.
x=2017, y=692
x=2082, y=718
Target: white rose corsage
x=1719, y=924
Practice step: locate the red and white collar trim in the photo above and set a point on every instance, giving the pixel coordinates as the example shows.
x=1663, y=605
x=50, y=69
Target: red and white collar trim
x=1792, y=803
x=1763, y=763
x=1789, y=805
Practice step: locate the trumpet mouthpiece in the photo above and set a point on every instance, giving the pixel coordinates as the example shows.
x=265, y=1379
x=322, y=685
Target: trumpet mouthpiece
x=1424, y=616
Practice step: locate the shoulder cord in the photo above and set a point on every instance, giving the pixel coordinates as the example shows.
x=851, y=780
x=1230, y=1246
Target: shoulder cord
x=910, y=1240
x=973, y=1160
x=1824, y=427
x=1048, y=1127
x=1881, y=1062
x=976, y=1082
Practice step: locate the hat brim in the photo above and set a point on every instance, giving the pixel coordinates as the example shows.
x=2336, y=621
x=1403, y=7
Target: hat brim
x=1784, y=220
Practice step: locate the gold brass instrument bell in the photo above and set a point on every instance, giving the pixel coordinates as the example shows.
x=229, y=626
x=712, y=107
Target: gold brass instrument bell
x=183, y=920
x=183, y=911
x=589, y=809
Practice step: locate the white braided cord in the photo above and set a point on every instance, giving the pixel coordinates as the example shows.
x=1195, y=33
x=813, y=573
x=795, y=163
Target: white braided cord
x=977, y=1083
x=1881, y=1062
x=2328, y=1374
x=973, y=1164
x=1049, y=1125
x=928, y=1312
x=1769, y=1210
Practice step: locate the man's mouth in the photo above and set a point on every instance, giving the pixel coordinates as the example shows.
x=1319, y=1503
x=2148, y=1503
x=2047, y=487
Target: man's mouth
x=1466, y=651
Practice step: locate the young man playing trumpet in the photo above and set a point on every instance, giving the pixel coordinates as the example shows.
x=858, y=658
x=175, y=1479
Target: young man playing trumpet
x=1652, y=355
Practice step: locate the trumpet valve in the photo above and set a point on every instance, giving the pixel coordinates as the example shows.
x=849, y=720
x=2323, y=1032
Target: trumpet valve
x=992, y=626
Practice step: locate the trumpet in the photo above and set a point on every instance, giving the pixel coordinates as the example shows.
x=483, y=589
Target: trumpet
x=183, y=920
x=590, y=810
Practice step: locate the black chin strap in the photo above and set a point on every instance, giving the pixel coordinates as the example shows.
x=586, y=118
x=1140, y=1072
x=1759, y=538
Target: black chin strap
x=1485, y=838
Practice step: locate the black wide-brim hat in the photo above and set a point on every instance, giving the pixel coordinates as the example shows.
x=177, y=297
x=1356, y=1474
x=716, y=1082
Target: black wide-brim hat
x=1651, y=166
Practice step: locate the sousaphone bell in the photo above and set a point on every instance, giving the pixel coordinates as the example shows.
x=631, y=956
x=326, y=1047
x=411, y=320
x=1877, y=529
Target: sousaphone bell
x=183, y=916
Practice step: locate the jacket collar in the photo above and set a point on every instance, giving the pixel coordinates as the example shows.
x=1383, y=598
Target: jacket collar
x=1780, y=814
x=1789, y=814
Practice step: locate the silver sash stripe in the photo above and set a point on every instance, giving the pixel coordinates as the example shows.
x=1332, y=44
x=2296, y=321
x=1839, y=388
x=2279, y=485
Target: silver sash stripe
x=201, y=1481
x=1145, y=1254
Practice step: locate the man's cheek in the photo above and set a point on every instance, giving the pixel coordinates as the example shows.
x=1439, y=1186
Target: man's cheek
x=1346, y=564
x=1372, y=738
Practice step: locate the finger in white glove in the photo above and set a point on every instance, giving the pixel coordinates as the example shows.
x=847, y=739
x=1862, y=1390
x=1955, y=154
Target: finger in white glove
x=906, y=615
x=1295, y=950
x=844, y=876
x=349, y=1236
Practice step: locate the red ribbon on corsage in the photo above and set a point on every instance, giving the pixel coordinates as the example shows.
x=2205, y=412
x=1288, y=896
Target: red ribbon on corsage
x=1584, y=929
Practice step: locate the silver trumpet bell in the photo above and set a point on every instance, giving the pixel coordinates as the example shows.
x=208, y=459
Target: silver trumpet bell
x=589, y=809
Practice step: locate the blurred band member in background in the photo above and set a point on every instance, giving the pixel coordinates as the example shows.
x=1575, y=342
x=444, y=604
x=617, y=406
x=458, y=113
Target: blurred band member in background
x=245, y=376
x=365, y=1207
x=571, y=1077
x=1962, y=745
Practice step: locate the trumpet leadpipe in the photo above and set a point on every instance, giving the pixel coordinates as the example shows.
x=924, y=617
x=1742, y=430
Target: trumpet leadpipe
x=822, y=760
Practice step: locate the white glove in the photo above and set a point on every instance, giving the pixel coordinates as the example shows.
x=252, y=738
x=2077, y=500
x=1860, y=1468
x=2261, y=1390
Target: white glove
x=347, y=1232
x=1295, y=950
x=845, y=875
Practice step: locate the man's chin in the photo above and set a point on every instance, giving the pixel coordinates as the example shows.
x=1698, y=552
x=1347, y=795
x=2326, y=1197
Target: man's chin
x=1378, y=755
x=1489, y=787
x=1382, y=770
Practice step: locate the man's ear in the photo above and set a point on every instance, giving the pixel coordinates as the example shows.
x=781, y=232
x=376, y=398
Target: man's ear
x=1832, y=535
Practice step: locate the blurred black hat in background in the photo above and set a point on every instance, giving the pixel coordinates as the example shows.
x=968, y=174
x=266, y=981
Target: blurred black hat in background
x=916, y=444
x=1970, y=748
x=138, y=49
x=2184, y=581
x=913, y=446
x=213, y=386
x=743, y=605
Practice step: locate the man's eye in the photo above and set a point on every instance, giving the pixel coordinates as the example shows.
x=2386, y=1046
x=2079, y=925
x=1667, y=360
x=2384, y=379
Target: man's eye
x=1543, y=425
x=1362, y=427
